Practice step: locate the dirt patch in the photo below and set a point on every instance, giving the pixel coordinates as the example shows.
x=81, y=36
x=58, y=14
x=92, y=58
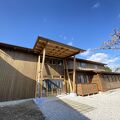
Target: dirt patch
x=23, y=111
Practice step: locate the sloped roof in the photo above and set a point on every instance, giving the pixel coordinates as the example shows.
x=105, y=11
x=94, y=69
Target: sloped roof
x=88, y=61
x=55, y=49
x=18, y=48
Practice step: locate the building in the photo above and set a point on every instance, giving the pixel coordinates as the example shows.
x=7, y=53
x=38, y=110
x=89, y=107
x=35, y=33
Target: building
x=50, y=68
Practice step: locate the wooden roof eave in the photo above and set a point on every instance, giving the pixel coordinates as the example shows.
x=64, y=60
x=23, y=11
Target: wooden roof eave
x=45, y=39
x=18, y=48
x=71, y=50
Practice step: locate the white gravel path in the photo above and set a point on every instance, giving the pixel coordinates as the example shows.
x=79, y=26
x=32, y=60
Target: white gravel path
x=107, y=105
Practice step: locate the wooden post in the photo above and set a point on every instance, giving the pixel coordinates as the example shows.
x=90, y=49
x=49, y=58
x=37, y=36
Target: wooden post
x=41, y=71
x=74, y=71
x=37, y=94
x=69, y=81
x=64, y=84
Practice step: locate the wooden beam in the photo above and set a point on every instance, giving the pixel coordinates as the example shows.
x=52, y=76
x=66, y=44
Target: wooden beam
x=74, y=71
x=42, y=66
x=73, y=54
x=58, y=53
x=64, y=84
x=69, y=81
x=37, y=94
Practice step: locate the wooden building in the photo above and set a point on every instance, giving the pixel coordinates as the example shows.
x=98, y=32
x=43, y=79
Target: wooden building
x=91, y=77
x=50, y=68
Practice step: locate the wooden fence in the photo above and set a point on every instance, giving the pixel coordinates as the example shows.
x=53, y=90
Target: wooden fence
x=86, y=89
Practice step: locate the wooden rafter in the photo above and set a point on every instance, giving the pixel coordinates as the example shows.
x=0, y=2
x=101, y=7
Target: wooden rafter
x=56, y=49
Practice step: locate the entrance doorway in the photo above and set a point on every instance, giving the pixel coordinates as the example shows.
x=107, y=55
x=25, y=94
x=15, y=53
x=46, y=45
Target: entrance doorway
x=52, y=87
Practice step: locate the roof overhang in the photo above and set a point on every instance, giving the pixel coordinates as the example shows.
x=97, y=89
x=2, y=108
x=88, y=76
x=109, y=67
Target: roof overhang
x=17, y=48
x=97, y=72
x=87, y=61
x=55, y=49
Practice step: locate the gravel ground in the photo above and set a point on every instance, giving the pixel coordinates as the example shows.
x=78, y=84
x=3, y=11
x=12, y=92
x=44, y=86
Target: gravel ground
x=107, y=105
x=23, y=111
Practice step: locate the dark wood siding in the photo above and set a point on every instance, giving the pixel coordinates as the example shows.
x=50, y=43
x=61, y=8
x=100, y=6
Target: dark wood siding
x=110, y=81
x=17, y=75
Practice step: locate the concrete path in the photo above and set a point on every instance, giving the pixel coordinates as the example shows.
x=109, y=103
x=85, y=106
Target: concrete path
x=80, y=107
x=63, y=109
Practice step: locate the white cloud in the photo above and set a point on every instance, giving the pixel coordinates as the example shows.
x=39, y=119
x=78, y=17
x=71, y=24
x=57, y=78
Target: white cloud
x=112, y=62
x=86, y=53
x=99, y=57
x=70, y=43
x=103, y=57
x=96, y=5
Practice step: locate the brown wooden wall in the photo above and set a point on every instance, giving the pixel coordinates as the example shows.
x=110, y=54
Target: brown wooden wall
x=53, y=71
x=85, y=65
x=96, y=79
x=87, y=86
x=17, y=75
x=109, y=81
x=106, y=82
x=86, y=89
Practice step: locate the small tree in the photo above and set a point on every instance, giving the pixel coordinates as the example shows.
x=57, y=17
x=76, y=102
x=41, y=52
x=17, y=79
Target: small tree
x=108, y=69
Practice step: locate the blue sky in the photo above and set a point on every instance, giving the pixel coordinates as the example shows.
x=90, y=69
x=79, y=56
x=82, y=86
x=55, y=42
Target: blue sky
x=81, y=23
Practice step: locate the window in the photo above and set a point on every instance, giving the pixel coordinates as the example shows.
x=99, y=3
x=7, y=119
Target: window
x=50, y=61
x=46, y=60
x=54, y=61
x=86, y=79
x=83, y=65
x=60, y=62
x=95, y=67
x=83, y=78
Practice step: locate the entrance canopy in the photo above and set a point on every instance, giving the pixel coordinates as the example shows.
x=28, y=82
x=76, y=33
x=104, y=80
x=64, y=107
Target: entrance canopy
x=55, y=49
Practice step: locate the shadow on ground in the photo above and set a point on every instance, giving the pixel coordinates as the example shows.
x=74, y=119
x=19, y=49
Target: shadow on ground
x=23, y=111
x=54, y=108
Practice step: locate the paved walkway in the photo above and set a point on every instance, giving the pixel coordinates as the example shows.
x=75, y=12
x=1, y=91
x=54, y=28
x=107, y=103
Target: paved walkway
x=80, y=107
x=63, y=109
